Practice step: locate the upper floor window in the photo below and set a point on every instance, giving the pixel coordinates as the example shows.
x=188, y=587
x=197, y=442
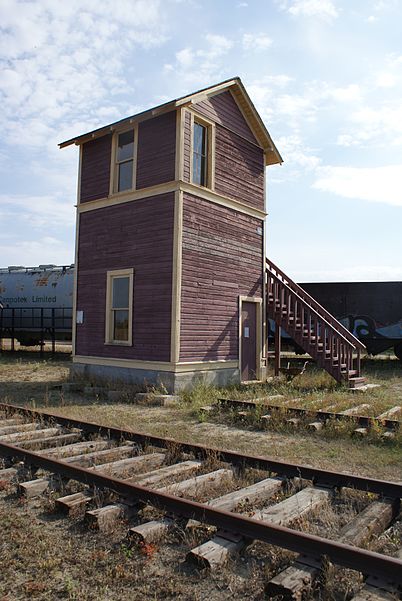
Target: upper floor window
x=119, y=296
x=200, y=154
x=125, y=161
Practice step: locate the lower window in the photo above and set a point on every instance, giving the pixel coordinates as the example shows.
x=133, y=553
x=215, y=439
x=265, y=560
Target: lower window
x=119, y=307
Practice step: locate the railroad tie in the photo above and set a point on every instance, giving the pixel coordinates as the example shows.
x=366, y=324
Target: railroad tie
x=8, y=473
x=78, y=448
x=18, y=437
x=216, y=551
x=390, y=413
x=104, y=518
x=376, y=590
x=298, y=578
x=260, y=491
x=70, y=503
x=50, y=441
x=155, y=529
x=12, y=421
x=355, y=410
x=371, y=593
x=153, y=478
x=15, y=428
x=38, y=486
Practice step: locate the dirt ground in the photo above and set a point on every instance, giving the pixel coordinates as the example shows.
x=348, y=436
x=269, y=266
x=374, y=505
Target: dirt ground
x=45, y=556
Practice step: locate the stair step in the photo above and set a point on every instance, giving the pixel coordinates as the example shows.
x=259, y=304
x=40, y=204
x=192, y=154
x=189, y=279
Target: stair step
x=356, y=382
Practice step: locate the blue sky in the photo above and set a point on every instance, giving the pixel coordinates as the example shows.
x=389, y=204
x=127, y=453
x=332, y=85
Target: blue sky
x=325, y=75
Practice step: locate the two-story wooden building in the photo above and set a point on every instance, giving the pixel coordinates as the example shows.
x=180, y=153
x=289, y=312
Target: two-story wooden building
x=170, y=250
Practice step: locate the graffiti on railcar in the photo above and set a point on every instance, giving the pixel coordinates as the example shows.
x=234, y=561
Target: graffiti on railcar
x=364, y=326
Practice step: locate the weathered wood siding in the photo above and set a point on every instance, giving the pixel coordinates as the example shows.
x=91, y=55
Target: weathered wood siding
x=187, y=146
x=222, y=259
x=239, y=168
x=239, y=160
x=139, y=235
x=95, y=168
x=156, y=150
x=222, y=109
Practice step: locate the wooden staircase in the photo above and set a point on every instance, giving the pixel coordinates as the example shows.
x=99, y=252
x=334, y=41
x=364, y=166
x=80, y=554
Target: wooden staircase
x=315, y=330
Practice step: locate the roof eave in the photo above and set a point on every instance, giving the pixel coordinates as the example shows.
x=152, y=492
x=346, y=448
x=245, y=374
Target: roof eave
x=163, y=108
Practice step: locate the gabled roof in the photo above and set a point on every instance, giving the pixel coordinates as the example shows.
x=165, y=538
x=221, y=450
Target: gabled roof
x=238, y=90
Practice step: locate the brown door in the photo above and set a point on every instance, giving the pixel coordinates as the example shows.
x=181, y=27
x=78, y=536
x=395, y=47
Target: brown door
x=248, y=341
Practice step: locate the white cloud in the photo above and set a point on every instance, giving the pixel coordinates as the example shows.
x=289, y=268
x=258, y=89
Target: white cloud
x=63, y=59
x=208, y=60
x=376, y=184
x=256, y=41
x=38, y=211
x=185, y=57
x=386, y=80
x=324, y=9
x=296, y=153
x=218, y=46
x=42, y=251
x=349, y=93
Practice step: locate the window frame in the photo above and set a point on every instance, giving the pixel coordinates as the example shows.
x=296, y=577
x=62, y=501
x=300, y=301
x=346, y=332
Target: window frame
x=109, y=314
x=114, y=169
x=210, y=151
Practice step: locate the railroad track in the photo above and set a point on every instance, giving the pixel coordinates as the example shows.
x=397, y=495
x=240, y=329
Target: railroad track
x=264, y=414
x=264, y=499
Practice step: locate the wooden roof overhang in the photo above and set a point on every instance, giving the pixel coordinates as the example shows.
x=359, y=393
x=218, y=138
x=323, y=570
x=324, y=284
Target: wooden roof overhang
x=238, y=91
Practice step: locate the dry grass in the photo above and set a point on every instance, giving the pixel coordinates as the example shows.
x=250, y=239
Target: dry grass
x=44, y=557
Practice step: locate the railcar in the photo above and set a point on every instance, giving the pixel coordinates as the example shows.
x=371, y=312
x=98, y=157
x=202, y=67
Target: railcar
x=372, y=311
x=36, y=303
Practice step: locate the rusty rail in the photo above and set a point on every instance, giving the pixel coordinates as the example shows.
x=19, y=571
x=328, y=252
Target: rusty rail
x=329, y=477
x=368, y=562
x=361, y=420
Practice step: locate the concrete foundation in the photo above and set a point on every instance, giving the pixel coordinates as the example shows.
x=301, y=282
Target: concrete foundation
x=171, y=381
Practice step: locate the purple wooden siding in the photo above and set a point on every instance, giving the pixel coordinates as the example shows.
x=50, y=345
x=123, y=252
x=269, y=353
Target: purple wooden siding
x=239, y=168
x=139, y=235
x=187, y=146
x=223, y=109
x=156, y=150
x=222, y=259
x=95, y=168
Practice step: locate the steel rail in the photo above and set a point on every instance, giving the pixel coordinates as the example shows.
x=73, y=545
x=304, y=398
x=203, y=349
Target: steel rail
x=384, y=488
x=368, y=562
x=362, y=420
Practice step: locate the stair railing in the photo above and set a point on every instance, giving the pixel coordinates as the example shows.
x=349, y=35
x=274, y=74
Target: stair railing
x=274, y=270
x=323, y=337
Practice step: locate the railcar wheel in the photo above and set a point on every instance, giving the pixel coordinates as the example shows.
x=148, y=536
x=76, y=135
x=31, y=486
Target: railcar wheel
x=398, y=350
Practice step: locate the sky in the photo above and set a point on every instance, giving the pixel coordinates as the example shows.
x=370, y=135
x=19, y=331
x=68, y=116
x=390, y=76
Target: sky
x=325, y=76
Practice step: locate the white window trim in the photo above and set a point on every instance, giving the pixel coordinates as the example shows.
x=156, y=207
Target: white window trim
x=210, y=126
x=114, y=165
x=110, y=275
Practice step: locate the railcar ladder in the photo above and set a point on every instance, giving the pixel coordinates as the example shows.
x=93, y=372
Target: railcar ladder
x=315, y=330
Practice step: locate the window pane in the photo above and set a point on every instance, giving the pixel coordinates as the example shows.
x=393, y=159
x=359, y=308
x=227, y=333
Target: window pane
x=125, y=149
x=120, y=293
x=125, y=176
x=199, y=138
x=199, y=170
x=200, y=155
x=196, y=169
x=120, y=325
